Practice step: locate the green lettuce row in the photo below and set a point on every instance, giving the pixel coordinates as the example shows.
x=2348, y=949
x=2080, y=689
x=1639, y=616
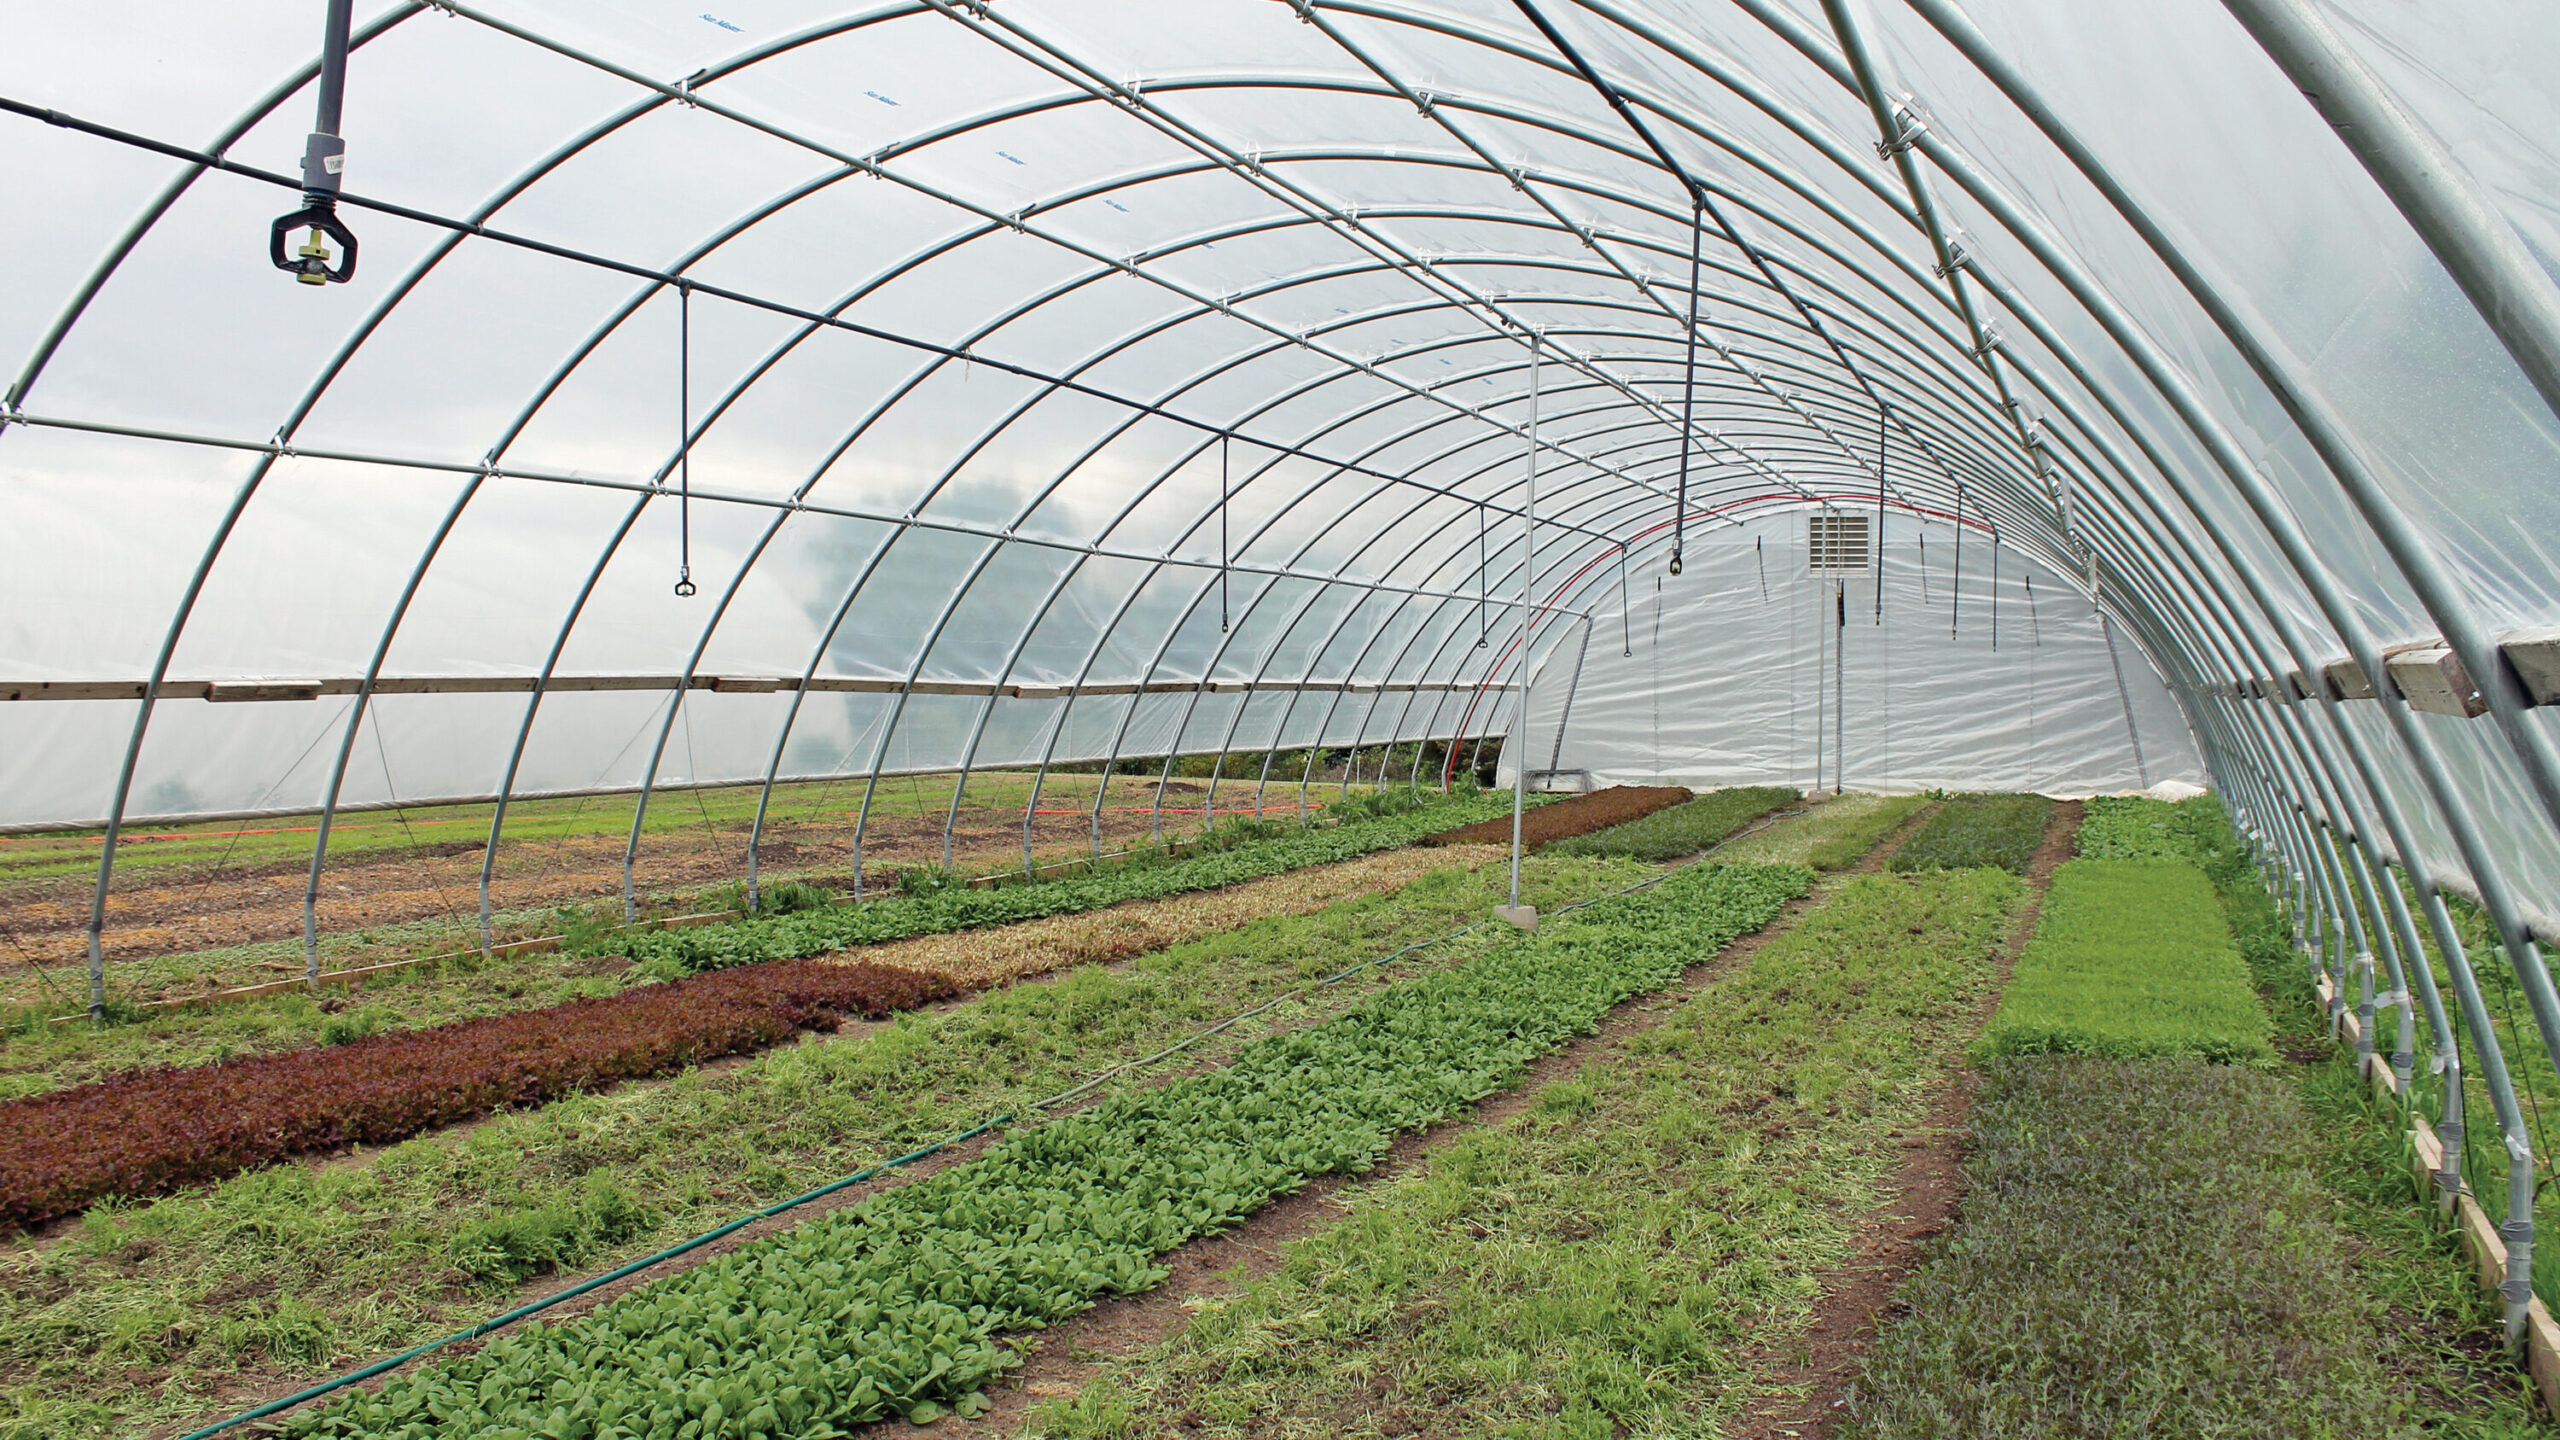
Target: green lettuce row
x=2131, y=959
x=894, y=1306
x=669, y=954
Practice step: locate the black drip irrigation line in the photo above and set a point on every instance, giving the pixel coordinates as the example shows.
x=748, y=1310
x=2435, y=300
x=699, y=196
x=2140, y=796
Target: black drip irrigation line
x=1001, y=1118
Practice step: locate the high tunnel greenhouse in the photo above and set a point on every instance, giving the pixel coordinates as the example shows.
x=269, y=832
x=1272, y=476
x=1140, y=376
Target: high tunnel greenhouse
x=668, y=499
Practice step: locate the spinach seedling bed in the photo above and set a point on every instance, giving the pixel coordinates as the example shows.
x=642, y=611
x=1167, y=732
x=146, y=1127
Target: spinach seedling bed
x=896, y=1306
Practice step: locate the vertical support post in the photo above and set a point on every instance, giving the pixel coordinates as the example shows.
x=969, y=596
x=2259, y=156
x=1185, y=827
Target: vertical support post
x=1955, y=582
x=1224, y=615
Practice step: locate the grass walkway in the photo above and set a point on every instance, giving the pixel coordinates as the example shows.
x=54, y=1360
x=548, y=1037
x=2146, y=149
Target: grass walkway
x=1595, y=1265
x=295, y=1270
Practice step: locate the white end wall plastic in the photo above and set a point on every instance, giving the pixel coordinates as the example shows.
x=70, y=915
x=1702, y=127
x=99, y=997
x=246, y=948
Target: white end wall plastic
x=1728, y=686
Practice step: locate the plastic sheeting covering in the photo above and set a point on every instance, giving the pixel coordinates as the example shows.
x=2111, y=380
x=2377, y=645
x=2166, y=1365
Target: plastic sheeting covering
x=1725, y=676
x=1064, y=342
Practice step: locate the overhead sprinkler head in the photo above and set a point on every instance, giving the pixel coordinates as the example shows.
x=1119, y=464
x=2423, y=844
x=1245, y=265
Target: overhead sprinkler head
x=309, y=263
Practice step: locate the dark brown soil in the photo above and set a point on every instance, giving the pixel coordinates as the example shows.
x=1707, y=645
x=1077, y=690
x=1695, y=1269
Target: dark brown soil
x=1564, y=819
x=1857, y=1298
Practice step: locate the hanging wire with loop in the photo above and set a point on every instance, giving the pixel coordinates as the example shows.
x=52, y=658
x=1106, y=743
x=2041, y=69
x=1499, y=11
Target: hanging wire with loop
x=1626, y=620
x=684, y=440
x=1955, y=582
x=1688, y=381
x=1995, y=588
x=1883, y=424
x=1482, y=593
x=1223, y=483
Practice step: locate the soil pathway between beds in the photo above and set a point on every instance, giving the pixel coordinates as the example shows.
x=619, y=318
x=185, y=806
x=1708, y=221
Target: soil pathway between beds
x=1061, y=1360
x=1803, y=1384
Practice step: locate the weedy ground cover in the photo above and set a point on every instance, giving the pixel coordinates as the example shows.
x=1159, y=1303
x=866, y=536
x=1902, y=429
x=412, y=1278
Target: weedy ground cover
x=894, y=1306
x=1833, y=835
x=1682, y=830
x=1598, y=1265
x=158, y=1130
x=2131, y=958
x=2144, y=1250
x=2438, y=1335
x=1970, y=830
x=299, y=1270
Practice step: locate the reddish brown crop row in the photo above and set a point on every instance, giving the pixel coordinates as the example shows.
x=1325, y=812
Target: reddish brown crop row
x=155, y=1130
x=1563, y=819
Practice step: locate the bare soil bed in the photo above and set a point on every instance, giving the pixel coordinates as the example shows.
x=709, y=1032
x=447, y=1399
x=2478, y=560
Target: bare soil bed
x=1564, y=819
x=181, y=910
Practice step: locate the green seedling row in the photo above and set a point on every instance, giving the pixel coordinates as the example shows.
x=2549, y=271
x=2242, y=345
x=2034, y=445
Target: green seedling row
x=1976, y=830
x=2130, y=959
x=896, y=1306
x=1682, y=830
x=670, y=954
